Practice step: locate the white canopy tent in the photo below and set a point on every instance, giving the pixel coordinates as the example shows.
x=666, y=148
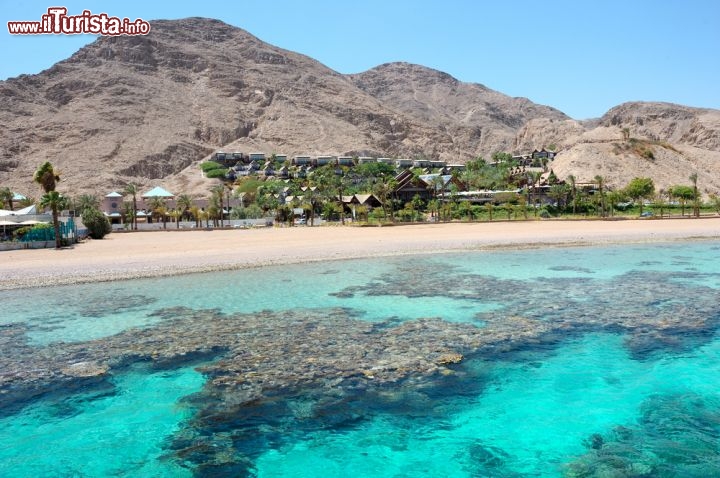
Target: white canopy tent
x=30, y=210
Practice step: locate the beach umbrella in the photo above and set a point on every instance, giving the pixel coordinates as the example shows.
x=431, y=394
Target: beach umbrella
x=7, y=223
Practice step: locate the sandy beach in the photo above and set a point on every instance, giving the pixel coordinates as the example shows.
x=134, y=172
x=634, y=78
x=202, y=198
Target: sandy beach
x=149, y=254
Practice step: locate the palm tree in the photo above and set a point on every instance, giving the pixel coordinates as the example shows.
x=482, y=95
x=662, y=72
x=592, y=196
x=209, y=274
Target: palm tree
x=535, y=177
x=6, y=197
x=162, y=211
x=157, y=206
x=56, y=202
x=438, y=185
x=573, y=192
x=184, y=203
x=715, y=200
x=176, y=214
x=415, y=204
x=310, y=197
x=559, y=193
x=466, y=209
x=696, y=196
x=132, y=190
x=660, y=202
x=217, y=198
x=382, y=190
x=47, y=178
x=522, y=207
x=601, y=184
x=433, y=206
x=204, y=215
x=195, y=212
x=86, y=201
x=127, y=212
x=489, y=206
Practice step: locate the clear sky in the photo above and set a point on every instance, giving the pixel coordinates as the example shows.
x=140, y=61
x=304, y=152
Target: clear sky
x=582, y=57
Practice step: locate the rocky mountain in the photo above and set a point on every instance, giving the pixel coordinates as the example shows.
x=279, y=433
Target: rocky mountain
x=476, y=118
x=147, y=109
x=664, y=141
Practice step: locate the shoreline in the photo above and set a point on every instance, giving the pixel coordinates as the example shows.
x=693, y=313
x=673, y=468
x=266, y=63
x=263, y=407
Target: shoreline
x=131, y=255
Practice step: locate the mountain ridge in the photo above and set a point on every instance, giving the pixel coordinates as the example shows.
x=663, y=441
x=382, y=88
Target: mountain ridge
x=148, y=109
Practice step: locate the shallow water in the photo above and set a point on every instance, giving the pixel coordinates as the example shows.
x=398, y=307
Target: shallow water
x=577, y=362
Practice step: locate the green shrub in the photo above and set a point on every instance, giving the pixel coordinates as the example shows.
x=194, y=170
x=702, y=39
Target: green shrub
x=97, y=224
x=250, y=212
x=21, y=231
x=210, y=165
x=216, y=173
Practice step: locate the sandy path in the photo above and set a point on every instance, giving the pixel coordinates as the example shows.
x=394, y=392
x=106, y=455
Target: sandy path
x=145, y=254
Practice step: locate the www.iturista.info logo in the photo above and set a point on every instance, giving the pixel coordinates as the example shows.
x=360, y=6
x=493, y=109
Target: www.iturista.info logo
x=57, y=21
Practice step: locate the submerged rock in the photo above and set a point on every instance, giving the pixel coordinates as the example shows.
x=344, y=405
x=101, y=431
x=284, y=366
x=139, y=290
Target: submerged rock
x=676, y=436
x=85, y=369
x=323, y=368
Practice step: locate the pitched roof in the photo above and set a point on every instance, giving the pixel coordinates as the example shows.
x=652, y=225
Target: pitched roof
x=114, y=194
x=158, y=192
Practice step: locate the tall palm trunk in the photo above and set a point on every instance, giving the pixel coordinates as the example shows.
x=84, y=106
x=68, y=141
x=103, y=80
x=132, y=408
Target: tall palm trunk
x=56, y=227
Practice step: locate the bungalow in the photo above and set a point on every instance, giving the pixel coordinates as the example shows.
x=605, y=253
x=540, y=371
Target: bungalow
x=543, y=154
x=257, y=156
x=437, y=164
x=268, y=169
x=440, y=184
x=408, y=186
x=301, y=172
x=368, y=200
x=345, y=161
x=403, y=163
x=227, y=159
x=112, y=206
x=421, y=163
x=301, y=160
x=366, y=160
x=281, y=158
x=389, y=161
x=325, y=160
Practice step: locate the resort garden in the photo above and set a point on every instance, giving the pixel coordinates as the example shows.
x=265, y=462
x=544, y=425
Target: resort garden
x=365, y=192
x=501, y=189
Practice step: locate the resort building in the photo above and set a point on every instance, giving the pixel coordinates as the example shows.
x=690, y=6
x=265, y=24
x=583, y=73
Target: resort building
x=301, y=160
x=325, y=160
x=112, y=206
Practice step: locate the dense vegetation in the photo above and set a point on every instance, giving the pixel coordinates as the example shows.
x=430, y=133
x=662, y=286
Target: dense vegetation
x=510, y=191
x=519, y=192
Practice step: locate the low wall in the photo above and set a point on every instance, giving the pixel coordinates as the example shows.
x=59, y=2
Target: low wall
x=13, y=246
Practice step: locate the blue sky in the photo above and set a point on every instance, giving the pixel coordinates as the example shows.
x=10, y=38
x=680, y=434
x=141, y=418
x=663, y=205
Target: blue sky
x=582, y=57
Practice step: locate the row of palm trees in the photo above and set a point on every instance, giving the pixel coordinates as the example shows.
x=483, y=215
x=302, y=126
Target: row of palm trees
x=185, y=207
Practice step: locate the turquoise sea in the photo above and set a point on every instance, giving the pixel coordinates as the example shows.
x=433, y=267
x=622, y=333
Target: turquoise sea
x=547, y=362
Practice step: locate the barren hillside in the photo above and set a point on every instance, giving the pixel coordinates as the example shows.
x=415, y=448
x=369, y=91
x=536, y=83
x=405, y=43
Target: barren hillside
x=148, y=109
